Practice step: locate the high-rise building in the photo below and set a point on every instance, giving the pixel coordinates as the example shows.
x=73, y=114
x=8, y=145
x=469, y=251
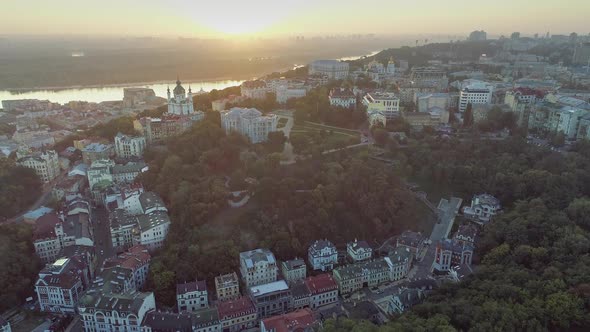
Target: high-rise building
x=476, y=93
x=334, y=69
x=582, y=54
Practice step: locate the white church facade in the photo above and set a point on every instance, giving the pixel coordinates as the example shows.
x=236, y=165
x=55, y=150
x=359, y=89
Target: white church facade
x=180, y=103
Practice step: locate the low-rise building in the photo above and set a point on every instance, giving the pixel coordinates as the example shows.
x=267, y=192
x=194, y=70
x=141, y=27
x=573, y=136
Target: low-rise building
x=300, y=294
x=97, y=151
x=237, y=315
x=294, y=270
x=322, y=255
x=342, y=97
x=399, y=261
x=48, y=237
x=4, y=325
x=359, y=250
x=323, y=290
x=100, y=171
x=192, y=296
x=129, y=146
x=129, y=172
x=137, y=260
x=353, y=277
x=483, y=207
x=258, y=267
x=44, y=163
x=61, y=284
x=102, y=312
x=414, y=241
x=466, y=234
x=384, y=102
x=426, y=101
x=254, y=89
x=333, y=69
x=249, y=122
x=451, y=252
x=271, y=299
x=168, y=125
x=286, y=92
x=227, y=286
x=153, y=229
x=300, y=320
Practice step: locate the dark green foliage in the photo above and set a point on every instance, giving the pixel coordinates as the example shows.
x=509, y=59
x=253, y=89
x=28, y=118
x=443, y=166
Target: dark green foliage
x=19, y=264
x=110, y=129
x=468, y=116
x=19, y=188
x=292, y=205
x=534, y=273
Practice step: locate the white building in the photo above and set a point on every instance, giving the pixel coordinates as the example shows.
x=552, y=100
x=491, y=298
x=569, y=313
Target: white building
x=249, y=122
x=476, y=93
x=334, y=69
x=4, y=325
x=192, y=296
x=100, y=171
x=426, y=101
x=384, y=102
x=129, y=146
x=359, y=250
x=254, y=89
x=483, y=208
x=153, y=229
x=137, y=260
x=285, y=93
x=322, y=255
x=45, y=164
x=341, y=97
x=258, y=267
x=294, y=270
x=129, y=172
x=180, y=103
x=105, y=312
x=399, y=262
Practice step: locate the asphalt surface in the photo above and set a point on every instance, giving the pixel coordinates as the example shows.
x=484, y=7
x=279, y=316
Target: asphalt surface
x=102, y=235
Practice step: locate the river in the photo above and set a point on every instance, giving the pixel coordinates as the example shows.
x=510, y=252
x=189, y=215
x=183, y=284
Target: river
x=99, y=94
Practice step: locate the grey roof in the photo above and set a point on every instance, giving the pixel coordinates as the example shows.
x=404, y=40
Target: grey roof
x=250, y=258
x=299, y=289
x=189, y=287
x=487, y=199
x=294, y=264
x=411, y=239
x=130, y=167
x=205, y=317
x=399, y=255
x=454, y=245
x=168, y=321
x=151, y=220
x=150, y=200
x=359, y=269
x=178, y=90
x=467, y=230
x=318, y=245
x=359, y=245
x=410, y=297
x=124, y=303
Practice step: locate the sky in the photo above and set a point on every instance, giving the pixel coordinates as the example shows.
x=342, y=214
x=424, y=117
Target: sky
x=227, y=18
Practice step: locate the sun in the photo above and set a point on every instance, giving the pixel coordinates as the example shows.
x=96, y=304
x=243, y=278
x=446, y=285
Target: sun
x=236, y=18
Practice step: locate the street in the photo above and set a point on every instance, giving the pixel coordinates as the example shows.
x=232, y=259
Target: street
x=102, y=235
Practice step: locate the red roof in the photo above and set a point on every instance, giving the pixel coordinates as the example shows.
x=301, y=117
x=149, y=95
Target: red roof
x=235, y=308
x=293, y=321
x=136, y=257
x=321, y=283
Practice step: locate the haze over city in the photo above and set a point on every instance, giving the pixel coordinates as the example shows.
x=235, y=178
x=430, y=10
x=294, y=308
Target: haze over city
x=294, y=166
x=196, y=18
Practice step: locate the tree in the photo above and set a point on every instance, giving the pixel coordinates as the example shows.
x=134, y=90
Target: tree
x=19, y=188
x=275, y=142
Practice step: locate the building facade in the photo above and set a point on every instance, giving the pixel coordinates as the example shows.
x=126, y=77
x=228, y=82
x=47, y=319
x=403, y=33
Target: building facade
x=294, y=270
x=333, y=69
x=60, y=285
x=180, y=103
x=227, y=286
x=483, y=207
x=249, y=122
x=115, y=312
x=258, y=267
x=192, y=296
x=237, y=315
x=450, y=253
x=45, y=164
x=129, y=146
x=476, y=93
x=323, y=290
x=353, y=277
x=341, y=97
x=254, y=89
x=271, y=299
x=359, y=250
x=322, y=255
x=384, y=102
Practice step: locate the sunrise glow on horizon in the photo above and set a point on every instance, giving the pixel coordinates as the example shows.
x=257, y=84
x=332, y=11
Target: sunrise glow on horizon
x=199, y=18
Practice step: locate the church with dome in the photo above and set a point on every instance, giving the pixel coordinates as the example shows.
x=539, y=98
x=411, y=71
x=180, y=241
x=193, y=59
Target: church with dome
x=180, y=103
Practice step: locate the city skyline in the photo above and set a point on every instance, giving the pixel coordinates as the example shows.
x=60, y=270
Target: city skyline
x=266, y=18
